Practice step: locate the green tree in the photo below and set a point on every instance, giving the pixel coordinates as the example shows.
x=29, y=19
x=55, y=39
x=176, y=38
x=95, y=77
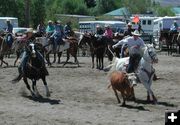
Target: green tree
x=38, y=12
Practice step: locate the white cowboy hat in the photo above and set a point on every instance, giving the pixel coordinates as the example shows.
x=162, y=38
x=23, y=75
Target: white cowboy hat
x=50, y=21
x=58, y=21
x=136, y=33
x=129, y=24
x=107, y=25
x=8, y=20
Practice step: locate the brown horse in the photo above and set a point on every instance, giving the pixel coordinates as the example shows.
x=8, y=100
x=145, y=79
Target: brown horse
x=70, y=45
x=4, y=50
x=72, y=50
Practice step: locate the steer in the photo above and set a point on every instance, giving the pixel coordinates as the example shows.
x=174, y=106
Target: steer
x=123, y=83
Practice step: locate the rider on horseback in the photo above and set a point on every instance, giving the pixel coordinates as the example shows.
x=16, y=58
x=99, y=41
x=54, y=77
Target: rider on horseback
x=135, y=44
x=99, y=32
x=67, y=29
x=50, y=28
x=9, y=35
x=26, y=54
x=57, y=35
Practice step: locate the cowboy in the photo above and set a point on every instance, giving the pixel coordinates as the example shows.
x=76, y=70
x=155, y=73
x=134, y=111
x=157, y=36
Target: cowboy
x=57, y=35
x=9, y=35
x=50, y=28
x=174, y=27
x=25, y=55
x=9, y=28
x=129, y=30
x=108, y=33
x=41, y=29
x=67, y=29
x=135, y=45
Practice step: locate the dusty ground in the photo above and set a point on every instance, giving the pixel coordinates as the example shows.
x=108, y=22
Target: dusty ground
x=79, y=96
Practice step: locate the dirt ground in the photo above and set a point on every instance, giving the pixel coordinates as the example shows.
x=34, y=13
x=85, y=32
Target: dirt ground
x=79, y=96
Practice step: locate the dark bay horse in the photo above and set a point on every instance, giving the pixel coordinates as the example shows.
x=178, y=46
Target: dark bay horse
x=170, y=40
x=97, y=48
x=34, y=70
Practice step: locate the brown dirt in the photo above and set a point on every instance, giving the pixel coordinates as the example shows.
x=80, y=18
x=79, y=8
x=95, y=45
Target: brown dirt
x=79, y=96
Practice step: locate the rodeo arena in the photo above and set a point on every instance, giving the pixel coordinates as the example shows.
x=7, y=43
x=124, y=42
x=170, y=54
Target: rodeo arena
x=106, y=72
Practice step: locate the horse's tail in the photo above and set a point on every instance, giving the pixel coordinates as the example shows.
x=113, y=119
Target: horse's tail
x=17, y=79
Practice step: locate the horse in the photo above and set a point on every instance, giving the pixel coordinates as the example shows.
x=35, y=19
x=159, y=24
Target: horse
x=34, y=70
x=97, y=48
x=5, y=48
x=70, y=45
x=145, y=70
x=169, y=39
x=17, y=47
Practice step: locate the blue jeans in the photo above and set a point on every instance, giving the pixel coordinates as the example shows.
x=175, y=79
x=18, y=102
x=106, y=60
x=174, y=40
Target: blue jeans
x=133, y=62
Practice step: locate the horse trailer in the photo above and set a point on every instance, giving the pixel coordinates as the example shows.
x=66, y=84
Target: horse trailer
x=162, y=25
x=13, y=20
x=90, y=26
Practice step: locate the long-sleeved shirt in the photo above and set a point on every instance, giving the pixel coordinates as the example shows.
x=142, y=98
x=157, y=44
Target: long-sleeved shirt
x=108, y=33
x=50, y=29
x=133, y=45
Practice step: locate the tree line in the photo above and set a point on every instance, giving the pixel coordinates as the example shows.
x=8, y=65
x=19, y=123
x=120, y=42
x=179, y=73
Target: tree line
x=31, y=12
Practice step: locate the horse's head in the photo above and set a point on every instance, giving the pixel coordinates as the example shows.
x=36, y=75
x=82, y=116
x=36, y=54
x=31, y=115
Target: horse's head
x=32, y=50
x=150, y=54
x=84, y=39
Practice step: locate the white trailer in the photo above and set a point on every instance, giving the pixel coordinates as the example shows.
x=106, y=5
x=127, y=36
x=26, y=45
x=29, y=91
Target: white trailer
x=90, y=26
x=3, y=25
x=146, y=24
x=162, y=25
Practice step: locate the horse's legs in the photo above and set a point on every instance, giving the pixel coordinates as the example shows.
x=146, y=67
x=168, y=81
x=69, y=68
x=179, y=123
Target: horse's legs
x=34, y=87
x=54, y=57
x=48, y=58
x=97, y=62
x=67, y=59
x=28, y=86
x=102, y=63
x=2, y=61
x=17, y=57
x=46, y=87
x=59, y=57
x=92, y=55
x=76, y=60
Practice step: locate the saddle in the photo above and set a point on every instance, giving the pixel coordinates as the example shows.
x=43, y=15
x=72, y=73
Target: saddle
x=9, y=39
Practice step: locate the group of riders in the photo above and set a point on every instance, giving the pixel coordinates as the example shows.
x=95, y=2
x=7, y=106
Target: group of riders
x=56, y=32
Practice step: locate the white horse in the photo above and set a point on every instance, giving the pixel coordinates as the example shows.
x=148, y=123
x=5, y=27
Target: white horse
x=145, y=70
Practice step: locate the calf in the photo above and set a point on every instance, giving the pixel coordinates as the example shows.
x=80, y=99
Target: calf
x=122, y=82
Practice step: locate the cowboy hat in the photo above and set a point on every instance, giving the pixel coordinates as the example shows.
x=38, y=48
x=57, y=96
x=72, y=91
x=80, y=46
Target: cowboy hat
x=8, y=20
x=136, y=33
x=129, y=24
x=58, y=21
x=107, y=25
x=97, y=26
x=50, y=21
